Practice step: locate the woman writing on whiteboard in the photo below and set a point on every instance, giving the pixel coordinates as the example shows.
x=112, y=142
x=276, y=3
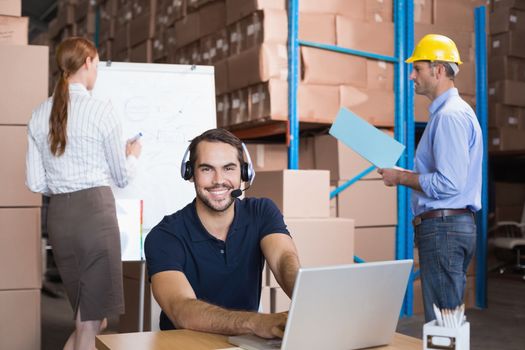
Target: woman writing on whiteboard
x=74, y=154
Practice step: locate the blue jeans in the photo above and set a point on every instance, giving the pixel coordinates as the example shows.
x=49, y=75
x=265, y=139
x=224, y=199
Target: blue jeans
x=446, y=246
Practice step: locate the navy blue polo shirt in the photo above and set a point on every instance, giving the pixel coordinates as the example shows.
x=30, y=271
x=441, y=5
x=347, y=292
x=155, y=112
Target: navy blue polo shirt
x=223, y=273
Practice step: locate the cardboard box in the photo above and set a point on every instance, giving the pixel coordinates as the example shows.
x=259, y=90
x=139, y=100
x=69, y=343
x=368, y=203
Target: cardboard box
x=239, y=112
x=354, y=9
x=375, y=106
x=509, y=194
x=221, y=77
x=297, y=193
x=463, y=39
x=279, y=301
x=307, y=153
x=20, y=319
x=506, y=116
x=516, y=4
x=187, y=29
x=465, y=81
x=11, y=7
x=269, y=100
x=421, y=104
x=342, y=162
x=237, y=9
x=212, y=17
x=258, y=64
x=369, y=203
x=333, y=203
x=13, y=30
x=215, y=47
x=223, y=110
x=13, y=147
x=17, y=65
x=506, y=68
x=506, y=19
x=375, y=37
x=379, y=11
x=507, y=44
x=380, y=75
x=142, y=52
x=506, y=139
x=20, y=251
x=507, y=92
x=141, y=28
x=331, y=68
x=456, y=13
x=122, y=40
x=268, y=156
x=423, y=11
x=317, y=27
x=320, y=242
x=375, y=243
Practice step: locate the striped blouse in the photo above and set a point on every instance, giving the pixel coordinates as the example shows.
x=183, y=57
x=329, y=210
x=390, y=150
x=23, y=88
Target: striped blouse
x=94, y=155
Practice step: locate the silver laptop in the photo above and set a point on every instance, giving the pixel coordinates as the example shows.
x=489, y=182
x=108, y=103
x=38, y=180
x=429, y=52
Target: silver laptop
x=341, y=308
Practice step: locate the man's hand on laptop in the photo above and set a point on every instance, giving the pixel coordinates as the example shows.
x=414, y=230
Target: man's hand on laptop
x=269, y=325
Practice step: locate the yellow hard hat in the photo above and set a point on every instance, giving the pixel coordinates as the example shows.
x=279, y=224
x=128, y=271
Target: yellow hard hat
x=435, y=47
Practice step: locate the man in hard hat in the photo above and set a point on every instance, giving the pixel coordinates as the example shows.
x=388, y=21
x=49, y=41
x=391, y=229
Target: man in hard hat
x=446, y=180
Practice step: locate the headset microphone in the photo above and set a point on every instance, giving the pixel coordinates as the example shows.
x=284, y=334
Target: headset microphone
x=237, y=192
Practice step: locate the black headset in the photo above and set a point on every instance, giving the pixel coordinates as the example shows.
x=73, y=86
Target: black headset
x=247, y=171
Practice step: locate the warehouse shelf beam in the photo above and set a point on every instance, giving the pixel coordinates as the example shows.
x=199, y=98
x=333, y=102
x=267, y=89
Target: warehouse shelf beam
x=348, y=51
x=293, y=79
x=481, y=112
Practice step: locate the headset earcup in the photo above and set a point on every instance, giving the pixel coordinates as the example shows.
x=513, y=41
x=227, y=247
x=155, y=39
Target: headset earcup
x=188, y=171
x=245, y=176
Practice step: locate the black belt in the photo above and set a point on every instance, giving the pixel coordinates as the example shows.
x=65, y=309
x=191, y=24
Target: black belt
x=439, y=213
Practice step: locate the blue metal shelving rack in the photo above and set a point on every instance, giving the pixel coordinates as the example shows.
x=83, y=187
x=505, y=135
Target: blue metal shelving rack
x=404, y=123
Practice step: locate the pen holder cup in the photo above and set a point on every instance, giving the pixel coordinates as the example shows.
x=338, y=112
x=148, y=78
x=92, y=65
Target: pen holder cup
x=442, y=338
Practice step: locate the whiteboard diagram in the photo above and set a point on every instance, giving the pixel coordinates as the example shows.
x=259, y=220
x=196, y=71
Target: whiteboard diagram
x=169, y=105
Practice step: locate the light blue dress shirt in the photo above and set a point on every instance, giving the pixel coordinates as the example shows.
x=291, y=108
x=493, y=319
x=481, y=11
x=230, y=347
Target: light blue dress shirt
x=449, y=157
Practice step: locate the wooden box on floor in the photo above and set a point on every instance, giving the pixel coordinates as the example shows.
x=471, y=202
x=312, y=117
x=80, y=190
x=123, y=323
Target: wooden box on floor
x=20, y=319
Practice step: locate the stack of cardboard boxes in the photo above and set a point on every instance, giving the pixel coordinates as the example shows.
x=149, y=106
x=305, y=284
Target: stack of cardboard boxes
x=303, y=198
x=506, y=74
x=24, y=72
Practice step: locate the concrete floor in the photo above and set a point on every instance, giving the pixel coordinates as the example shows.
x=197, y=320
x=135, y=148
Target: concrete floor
x=501, y=326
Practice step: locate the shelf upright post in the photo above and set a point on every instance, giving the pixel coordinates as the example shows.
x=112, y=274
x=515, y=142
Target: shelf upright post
x=481, y=112
x=293, y=82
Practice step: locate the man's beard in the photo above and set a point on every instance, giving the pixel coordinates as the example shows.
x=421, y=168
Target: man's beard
x=223, y=206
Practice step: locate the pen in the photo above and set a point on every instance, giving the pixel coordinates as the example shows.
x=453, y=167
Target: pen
x=439, y=319
x=135, y=138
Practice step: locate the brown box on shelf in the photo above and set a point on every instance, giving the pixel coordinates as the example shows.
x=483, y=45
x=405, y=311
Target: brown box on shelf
x=375, y=106
x=187, y=29
x=13, y=147
x=373, y=37
x=122, y=40
x=269, y=99
x=268, y=26
x=317, y=27
x=455, y=13
x=105, y=50
x=297, y=193
x=465, y=81
x=307, y=153
x=369, y=203
x=13, y=30
x=237, y=9
x=189, y=54
x=380, y=75
x=342, y=68
x=343, y=163
x=20, y=251
x=509, y=194
x=20, y=318
x=257, y=64
x=18, y=65
x=221, y=77
x=506, y=116
x=516, y=4
x=461, y=37
x=268, y=156
x=506, y=139
x=223, y=110
x=320, y=242
x=423, y=11
x=142, y=52
x=506, y=68
x=141, y=28
x=506, y=19
x=215, y=47
x=11, y=7
x=375, y=243
x=507, y=44
x=239, y=112
x=354, y=9
x=212, y=17
x=507, y=92
x=379, y=10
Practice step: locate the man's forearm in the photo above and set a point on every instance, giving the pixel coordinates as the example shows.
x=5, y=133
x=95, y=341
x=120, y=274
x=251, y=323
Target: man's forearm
x=200, y=316
x=410, y=179
x=288, y=267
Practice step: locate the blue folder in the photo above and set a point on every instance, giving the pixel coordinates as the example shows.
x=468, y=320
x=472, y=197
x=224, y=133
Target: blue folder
x=368, y=141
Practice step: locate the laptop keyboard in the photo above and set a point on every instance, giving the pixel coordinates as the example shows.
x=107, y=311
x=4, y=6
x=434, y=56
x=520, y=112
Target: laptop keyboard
x=274, y=343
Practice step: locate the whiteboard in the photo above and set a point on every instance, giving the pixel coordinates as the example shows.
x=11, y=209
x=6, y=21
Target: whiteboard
x=170, y=105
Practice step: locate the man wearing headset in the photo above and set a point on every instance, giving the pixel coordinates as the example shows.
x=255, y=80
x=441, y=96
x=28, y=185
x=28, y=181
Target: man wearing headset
x=206, y=260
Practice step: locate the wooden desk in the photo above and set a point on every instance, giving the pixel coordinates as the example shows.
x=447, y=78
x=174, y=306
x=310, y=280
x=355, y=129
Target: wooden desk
x=190, y=340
